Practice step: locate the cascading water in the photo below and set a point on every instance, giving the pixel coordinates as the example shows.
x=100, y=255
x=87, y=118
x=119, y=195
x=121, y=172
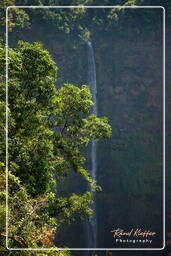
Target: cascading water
x=92, y=225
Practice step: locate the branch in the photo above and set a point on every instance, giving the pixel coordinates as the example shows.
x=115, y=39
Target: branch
x=18, y=239
x=65, y=125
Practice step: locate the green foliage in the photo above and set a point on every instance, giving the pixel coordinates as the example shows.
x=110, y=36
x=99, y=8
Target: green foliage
x=17, y=18
x=75, y=132
x=76, y=22
x=81, y=24
x=48, y=129
x=69, y=209
x=29, y=101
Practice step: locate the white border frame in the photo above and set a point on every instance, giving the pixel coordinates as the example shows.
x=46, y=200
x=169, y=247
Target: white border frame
x=83, y=249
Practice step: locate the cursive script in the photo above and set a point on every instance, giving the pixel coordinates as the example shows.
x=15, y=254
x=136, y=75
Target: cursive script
x=133, y=232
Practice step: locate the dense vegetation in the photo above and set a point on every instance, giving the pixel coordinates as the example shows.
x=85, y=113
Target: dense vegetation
x=49, y=128
x=47, y=132
x=82, y=23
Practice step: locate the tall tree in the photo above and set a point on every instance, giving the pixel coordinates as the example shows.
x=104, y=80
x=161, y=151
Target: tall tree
x=48, y=130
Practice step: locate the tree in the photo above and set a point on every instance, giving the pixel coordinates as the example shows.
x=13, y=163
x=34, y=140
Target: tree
x=48, y=130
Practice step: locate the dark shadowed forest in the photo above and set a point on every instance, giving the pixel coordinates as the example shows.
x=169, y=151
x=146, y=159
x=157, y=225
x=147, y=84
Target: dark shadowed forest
x=81, y=128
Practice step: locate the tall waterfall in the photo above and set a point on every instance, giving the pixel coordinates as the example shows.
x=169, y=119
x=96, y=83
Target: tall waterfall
x=92, y=226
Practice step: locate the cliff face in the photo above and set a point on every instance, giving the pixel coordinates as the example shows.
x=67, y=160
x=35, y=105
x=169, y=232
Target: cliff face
x=130, y=94
x=130, y=82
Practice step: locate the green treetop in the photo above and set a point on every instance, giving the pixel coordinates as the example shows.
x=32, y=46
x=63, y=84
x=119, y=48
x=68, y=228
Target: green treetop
x=48, y=130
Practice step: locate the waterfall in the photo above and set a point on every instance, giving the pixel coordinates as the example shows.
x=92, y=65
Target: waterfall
x=92, y=225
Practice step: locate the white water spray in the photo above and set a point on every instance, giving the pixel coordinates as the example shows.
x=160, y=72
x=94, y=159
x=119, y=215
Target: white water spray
x=92, y=226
